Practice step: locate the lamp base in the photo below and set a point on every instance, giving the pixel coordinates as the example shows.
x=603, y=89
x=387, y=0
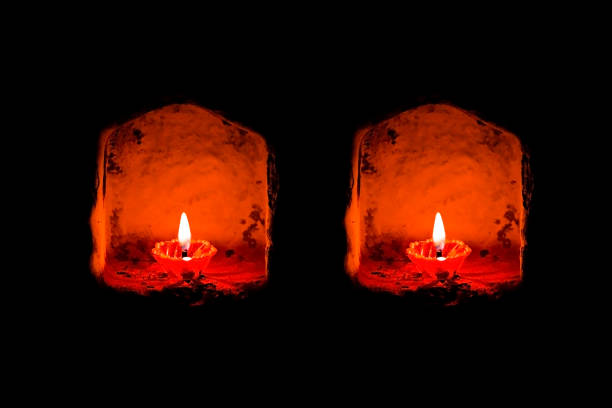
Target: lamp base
x=169, y=255
x=427, y=259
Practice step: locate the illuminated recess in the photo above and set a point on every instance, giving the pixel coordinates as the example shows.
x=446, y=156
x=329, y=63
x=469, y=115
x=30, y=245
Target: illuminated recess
x=178, y=159
x=437, y=158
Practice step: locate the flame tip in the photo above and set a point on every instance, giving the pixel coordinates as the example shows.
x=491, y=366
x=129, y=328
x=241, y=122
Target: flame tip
x=439, y=235
x=184, y=233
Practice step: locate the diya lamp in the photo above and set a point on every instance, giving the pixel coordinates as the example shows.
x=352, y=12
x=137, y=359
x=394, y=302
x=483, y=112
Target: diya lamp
x=183, y=257
x=438, y=257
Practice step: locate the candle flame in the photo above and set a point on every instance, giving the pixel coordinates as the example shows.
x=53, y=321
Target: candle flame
x=439, y=236
x=184, y=233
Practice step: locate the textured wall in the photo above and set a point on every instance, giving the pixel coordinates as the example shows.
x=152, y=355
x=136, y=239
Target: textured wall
x=434, y=158
x=174, y=159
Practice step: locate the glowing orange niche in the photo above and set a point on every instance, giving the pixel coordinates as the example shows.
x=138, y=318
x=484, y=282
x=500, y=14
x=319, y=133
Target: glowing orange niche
x=437, y=158
x=182, y=158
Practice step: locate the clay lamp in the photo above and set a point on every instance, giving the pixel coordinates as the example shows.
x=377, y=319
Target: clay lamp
x=437, y=257
x=183, y=257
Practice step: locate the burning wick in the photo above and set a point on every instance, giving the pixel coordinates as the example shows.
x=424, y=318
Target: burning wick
x=439, y=236
x=184, y=236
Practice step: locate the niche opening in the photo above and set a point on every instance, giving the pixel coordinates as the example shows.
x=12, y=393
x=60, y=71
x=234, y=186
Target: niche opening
x=437, y=158
x=182, y=158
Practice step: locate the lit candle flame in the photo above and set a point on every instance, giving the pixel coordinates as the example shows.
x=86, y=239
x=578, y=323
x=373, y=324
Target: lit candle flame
x=439, y=236
x=184, y=233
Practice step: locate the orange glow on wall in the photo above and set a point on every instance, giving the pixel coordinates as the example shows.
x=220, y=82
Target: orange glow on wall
x=436, y=158
x=182, y=159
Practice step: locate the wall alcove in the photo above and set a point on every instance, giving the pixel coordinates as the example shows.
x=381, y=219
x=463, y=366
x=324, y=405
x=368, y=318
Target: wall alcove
x=182, y=158
x=437, y=158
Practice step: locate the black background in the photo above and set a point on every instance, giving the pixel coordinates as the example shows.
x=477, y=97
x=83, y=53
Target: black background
x=308, y=105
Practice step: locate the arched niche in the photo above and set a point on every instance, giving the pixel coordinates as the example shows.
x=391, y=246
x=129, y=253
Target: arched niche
x=437, y=158
x=182, y=158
